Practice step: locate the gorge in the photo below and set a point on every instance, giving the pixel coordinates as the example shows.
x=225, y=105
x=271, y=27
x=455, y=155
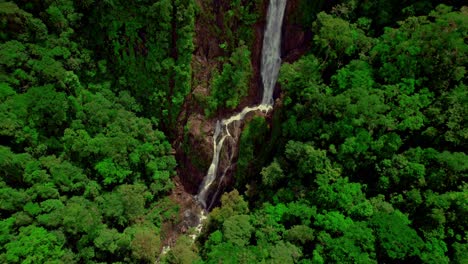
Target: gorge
x=270, y=65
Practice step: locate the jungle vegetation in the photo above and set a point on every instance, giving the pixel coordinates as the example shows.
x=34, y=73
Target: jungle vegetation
x=363, y=161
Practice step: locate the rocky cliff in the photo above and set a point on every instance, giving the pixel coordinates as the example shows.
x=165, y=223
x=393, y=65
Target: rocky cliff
x=194, y=143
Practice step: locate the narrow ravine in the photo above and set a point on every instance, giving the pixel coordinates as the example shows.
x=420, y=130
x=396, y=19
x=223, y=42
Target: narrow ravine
x=270, y=65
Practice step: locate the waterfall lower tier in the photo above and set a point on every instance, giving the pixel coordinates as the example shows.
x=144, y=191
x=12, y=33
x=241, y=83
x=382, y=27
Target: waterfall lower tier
x=218, y=140
x=270, y=65
x=221, y=134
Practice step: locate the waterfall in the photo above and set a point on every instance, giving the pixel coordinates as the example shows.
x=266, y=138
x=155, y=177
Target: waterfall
x=271, y=50
x=218, y=140
x=270, y=65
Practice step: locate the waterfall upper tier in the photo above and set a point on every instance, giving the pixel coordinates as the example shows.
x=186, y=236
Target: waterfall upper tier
x=271, y=50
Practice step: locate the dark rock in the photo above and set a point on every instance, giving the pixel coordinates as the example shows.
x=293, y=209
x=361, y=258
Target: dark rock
x=293, y=38
x=296, y=38
x=213, y=49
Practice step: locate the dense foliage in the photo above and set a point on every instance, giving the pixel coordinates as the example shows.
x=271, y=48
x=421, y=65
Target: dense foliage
x=148, y=47
x=372, y=167
x=83, y=177
x=363, y=161
x=229, y=86
x=231, y=82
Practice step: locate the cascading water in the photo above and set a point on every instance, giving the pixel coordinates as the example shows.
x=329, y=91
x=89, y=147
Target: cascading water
x=218, y=140
x=270, y=65
x=271, y=50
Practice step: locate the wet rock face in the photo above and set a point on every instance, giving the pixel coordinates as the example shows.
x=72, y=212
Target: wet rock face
x=190, y=219
x=296, y=39
x=190, y=176
x=195, y=154
x=225, y=179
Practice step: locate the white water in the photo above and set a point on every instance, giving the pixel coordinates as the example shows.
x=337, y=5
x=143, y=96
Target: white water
x=218, y=140
x=271, y=51
x=270, y=65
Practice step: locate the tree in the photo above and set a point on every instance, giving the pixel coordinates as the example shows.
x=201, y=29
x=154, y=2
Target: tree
x=80, y=216
x=145, y=244
x=33, y=245
x=272, y=175
x=126, y=204
x=337, y=39
x=237, y=230
x=183, y=252
x=355, y=242
x=300, y=234
x=231, y=204
x=232, y=84
x=397, y=240
x=284, y=252
x=111, y=242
